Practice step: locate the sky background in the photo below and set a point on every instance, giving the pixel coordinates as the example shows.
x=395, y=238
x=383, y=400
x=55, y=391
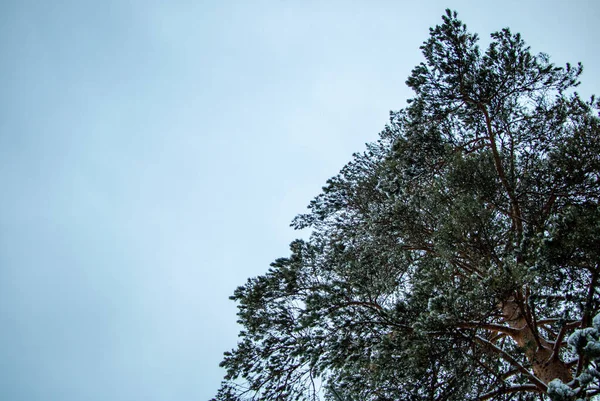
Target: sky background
x=153, y=154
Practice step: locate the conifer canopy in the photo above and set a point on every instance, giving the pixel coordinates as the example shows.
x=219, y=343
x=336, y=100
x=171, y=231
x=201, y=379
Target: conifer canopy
x=457, y=258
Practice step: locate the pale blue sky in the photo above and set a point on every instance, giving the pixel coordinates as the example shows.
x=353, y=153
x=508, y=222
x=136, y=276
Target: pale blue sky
x=153, y=153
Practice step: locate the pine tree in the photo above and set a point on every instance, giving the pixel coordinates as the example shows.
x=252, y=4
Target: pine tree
x=457, y=258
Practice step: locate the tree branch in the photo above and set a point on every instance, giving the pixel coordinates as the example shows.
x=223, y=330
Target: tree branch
x=558, y=344
x=516, y=209
x=490, y=327
x=509, y=390
x=585, y=320
x=537, y=382
x=570, y=323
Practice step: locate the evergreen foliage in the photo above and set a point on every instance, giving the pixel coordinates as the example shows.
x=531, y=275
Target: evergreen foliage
x=457, y=258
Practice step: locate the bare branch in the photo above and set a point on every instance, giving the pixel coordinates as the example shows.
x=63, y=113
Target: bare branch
x=570, y=323
x=537, y=382
x=508, y=390
x=558, y=344
x=490, y=327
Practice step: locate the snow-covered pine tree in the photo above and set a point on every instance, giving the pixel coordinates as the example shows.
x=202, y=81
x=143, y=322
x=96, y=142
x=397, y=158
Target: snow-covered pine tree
x=454, y=258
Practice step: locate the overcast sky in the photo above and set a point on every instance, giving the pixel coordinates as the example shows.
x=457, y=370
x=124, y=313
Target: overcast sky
x=153, y=154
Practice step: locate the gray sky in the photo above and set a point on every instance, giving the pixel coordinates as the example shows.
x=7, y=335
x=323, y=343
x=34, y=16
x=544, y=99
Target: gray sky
x=153, y=153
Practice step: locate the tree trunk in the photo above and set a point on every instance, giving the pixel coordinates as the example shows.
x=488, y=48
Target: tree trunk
x=546, y=366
